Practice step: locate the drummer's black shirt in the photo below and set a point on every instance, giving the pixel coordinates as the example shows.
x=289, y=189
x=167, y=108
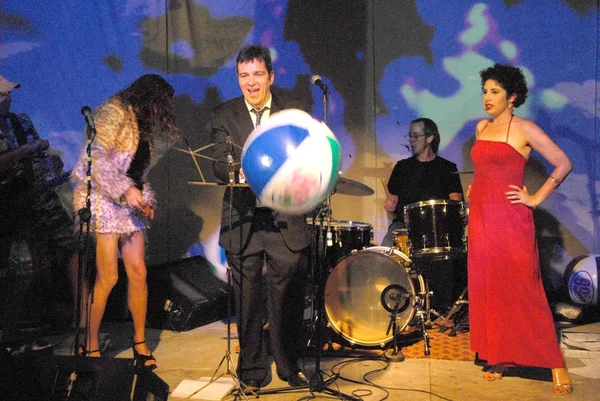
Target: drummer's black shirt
x=413, y=181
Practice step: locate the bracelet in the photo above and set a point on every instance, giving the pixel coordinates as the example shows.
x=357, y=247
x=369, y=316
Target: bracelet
x=534, y=203
x=557, y=182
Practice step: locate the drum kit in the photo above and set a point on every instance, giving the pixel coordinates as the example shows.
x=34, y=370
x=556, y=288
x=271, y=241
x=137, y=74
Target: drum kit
x=369, y=293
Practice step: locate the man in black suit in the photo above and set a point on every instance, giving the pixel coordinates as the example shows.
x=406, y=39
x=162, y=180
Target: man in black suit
x=252, y=235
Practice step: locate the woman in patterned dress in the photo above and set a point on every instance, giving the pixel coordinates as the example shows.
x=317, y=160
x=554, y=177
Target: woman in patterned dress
x=121, y=200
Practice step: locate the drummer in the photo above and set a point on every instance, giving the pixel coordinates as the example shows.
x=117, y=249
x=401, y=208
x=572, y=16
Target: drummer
x=423, y=176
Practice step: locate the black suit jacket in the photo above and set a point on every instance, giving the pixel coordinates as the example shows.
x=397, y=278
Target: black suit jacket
x=232, y=118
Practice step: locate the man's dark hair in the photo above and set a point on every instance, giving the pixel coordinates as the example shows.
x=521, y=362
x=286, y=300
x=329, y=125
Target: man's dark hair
x=430, y=129
x=510, y=78
x=255, y=52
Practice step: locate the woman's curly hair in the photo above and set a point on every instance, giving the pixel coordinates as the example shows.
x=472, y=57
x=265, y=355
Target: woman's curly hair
x=150, y=96
x=510, y=78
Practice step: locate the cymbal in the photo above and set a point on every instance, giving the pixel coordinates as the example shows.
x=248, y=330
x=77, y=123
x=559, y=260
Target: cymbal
x=346, y=186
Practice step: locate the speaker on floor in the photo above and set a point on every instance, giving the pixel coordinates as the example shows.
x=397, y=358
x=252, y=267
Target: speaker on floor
x=185, y=294
x=75, y=378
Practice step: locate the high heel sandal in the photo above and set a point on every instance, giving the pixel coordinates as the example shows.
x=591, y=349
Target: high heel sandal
x=88, y=353
x=496, y=372
x=559, y=386
x=141, y=359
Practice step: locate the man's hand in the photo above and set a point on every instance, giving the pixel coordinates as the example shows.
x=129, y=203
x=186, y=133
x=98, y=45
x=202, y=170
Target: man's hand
x=390, y=203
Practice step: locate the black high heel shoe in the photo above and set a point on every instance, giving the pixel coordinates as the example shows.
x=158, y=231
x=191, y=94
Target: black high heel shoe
x=88, y=353
x=140, y=359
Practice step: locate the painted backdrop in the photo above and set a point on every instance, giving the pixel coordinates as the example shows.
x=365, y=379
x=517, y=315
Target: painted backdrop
x=386, y=61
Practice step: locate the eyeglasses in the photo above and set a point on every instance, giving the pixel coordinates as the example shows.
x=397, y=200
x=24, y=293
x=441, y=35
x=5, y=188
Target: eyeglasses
x=412, y=137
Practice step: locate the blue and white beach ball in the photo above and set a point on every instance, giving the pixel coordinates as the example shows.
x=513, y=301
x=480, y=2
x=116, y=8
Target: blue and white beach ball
x=291, y=162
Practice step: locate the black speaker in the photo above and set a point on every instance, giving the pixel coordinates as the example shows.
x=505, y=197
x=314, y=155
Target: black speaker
x=185, y=294
x=62, y=377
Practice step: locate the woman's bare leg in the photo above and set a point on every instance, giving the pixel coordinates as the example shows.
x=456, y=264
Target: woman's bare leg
x=107, y=275
x=133, y=252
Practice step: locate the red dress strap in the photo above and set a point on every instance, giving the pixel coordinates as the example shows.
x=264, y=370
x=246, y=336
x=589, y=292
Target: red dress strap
x=508, y=130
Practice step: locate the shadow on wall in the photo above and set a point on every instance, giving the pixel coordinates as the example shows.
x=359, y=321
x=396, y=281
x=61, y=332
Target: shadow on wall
x=177, y=226
x=188, y=213
x=333, y=40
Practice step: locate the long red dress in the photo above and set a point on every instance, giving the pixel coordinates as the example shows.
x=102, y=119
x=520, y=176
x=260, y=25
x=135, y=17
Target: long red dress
x=509, y=317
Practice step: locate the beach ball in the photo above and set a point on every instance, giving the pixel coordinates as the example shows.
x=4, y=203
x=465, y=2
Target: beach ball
x=291, y=162
x=582, y=273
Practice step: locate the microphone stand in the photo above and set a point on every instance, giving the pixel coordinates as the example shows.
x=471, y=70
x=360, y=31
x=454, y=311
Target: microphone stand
x=316, y=383
x=85, y=215
x=396, y=294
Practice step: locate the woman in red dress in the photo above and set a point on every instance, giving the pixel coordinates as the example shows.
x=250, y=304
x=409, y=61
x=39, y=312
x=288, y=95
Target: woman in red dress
x=510, y=321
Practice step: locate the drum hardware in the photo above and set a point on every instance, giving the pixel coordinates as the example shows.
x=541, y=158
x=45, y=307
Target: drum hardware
x=399, y=296
x=460, y=324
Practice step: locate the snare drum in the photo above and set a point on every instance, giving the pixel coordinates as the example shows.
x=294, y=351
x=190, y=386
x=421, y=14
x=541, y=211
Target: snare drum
x=346, y=236
x=401, y=240
x=436, y=228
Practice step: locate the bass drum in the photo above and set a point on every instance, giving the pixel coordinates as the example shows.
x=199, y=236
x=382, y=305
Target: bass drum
x=363, y=289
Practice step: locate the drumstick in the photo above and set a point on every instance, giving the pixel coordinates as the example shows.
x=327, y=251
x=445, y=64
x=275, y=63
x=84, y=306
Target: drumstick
x=387, y=193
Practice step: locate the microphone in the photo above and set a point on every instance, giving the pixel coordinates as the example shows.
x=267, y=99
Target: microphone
x=316, y=80
x=89, y=119
x=229, y=149
x=230, y=158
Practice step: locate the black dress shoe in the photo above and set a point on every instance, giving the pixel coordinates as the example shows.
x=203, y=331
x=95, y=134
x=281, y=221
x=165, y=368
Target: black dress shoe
x=297, y=380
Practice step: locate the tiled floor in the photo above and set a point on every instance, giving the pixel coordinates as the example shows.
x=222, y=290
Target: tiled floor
x=198, y=352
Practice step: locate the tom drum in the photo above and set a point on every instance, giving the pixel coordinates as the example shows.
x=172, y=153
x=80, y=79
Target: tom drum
x=436, y=228
x=345, y=236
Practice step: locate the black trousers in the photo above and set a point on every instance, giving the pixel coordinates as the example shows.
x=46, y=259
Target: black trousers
x=275, y=296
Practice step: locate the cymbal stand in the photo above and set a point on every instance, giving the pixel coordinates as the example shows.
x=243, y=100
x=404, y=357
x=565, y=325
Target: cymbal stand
x=316, y=274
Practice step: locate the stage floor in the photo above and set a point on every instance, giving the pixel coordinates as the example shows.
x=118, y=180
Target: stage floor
x=198, y=352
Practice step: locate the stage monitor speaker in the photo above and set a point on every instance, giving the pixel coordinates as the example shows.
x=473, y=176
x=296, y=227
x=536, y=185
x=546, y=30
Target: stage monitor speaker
x=185, y=294
x=74, y=378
